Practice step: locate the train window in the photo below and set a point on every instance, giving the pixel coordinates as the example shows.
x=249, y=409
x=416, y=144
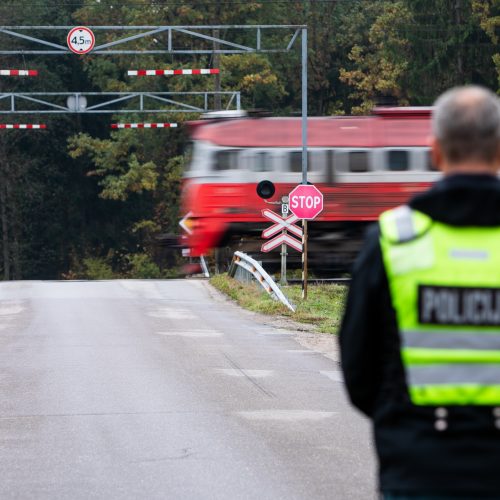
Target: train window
x=398, y=160
x=430, y=163
x=330, y=166
x=317, y=161
x=226, y=159
x=261, y=162
x=358, y=161
x=296, y=161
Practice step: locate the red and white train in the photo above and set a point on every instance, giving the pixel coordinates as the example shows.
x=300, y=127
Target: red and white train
x=363, y=166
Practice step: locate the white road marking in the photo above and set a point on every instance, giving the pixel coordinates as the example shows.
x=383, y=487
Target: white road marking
x=336, y=375
x=286, y=415
x=192, y=333
x=8, y=309
x=302, y=351
x=246, y=373
x=168, y=313
x=274, y=332
x=145, y=288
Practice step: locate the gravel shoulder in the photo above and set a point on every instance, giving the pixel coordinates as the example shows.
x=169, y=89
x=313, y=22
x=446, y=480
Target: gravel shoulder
x=304, y=334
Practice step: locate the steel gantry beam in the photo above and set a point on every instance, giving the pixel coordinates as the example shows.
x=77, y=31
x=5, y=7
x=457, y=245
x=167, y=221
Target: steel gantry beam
x=216, y=39
x=210, y=39
x=114, y=102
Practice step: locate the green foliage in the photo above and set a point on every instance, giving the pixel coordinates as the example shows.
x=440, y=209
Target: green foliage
x=97, y=268
x=139, y=265
x=447, y=47
x=324, y=305
x=488, y=13
x=379, y=66
x=416, y=49
x=143, y=267
x=249, y=296
x=253, y=75
x=115, y=162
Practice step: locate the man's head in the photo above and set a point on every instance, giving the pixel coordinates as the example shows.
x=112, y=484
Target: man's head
x=466, y=128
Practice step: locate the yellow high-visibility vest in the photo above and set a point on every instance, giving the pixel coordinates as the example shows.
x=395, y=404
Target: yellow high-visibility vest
x=444, y=283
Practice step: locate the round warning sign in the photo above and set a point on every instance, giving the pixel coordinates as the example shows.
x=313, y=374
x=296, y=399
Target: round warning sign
x=81, y=40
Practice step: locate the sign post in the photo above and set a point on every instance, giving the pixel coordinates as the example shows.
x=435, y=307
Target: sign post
x=284, y=213
x=304, y=259
x=306, y=202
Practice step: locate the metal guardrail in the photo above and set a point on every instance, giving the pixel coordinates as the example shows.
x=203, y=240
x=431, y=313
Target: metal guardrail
x=204, y=267
x=243, y=261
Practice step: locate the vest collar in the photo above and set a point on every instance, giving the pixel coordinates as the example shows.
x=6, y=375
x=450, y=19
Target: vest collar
x=462, y=200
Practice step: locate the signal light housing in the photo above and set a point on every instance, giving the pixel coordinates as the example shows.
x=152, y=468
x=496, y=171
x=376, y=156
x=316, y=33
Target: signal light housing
x=265, y=189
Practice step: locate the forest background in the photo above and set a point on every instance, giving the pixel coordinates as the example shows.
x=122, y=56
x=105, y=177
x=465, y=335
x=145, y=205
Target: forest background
x=80, y=201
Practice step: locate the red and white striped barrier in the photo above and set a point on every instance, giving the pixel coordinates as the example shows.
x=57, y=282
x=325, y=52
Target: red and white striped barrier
x=18, y=72
x=143, y=125
x=167, y=72
x=23, y=125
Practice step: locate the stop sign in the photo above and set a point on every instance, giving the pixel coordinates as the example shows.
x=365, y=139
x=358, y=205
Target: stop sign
x=306, y=201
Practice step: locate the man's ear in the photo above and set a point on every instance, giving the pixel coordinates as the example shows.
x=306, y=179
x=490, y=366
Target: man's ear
x=497, y=160
x=437, y=154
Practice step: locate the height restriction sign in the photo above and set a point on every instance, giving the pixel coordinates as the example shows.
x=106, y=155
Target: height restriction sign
x=81, y=40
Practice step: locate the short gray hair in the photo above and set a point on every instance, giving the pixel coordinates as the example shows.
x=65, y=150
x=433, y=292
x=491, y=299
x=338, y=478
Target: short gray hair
x=466, y=123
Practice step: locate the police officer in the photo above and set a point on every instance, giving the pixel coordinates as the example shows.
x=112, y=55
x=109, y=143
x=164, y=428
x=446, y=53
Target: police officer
x=420, y=339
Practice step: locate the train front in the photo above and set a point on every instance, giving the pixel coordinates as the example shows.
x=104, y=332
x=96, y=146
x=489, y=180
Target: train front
x=214, y=199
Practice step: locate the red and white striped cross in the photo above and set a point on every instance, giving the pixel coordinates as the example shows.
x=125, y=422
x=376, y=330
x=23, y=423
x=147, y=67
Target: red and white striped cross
x=279, y=240
x=281, y=224
x=287, y=223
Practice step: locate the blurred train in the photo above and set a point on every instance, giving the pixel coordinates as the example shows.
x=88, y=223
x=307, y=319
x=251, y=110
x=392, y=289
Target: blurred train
x=362, y=165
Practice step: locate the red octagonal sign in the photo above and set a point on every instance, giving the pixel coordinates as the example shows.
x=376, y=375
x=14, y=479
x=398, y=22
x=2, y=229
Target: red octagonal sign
x=306, y=201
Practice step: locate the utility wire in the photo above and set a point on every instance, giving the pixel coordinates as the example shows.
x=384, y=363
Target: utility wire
x=193, y=4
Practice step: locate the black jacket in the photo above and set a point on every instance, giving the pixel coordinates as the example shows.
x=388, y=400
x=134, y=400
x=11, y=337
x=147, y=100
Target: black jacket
x=414, y=457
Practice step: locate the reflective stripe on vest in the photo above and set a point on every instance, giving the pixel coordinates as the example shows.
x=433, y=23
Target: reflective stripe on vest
x=457, y=373
x=455, y=394
x=451, y=339
x=403, y=220
x=444, y=283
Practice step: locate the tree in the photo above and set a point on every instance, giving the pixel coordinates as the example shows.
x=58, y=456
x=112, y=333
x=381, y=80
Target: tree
x=488, y=13
x=378, y=67
x=447, y=48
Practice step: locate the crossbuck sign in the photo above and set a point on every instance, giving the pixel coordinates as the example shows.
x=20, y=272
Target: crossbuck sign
x=282, y=225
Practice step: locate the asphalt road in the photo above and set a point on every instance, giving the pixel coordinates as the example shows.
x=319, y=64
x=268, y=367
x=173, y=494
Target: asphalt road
x=157, y=390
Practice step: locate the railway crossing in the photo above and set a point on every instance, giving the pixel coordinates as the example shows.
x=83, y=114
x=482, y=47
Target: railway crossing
x=305, y=202
x=82, y=40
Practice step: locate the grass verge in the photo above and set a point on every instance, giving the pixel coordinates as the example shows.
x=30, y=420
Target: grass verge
x=323, y=307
